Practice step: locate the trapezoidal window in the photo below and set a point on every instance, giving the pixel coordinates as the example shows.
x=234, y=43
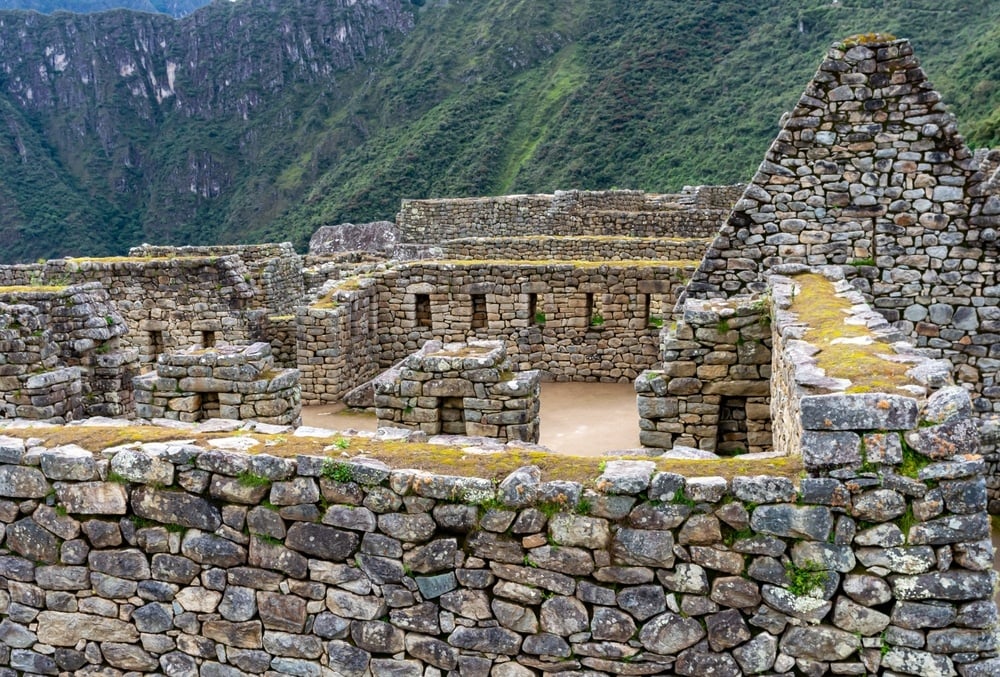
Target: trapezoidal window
x=479, y=311
x=155, y=345
x=422, y=308
x=210, y=405
x=731, y=438
x=208, y=339
x=535, y=317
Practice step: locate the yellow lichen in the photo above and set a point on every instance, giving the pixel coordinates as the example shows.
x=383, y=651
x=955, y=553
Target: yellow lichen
x=864, y=365
x=439, y=459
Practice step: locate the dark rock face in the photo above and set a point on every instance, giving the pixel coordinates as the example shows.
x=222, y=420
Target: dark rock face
x=349, y=237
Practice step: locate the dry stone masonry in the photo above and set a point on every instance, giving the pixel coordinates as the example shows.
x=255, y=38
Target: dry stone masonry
x=230, y=382
x=461, y=389
x=179, y=558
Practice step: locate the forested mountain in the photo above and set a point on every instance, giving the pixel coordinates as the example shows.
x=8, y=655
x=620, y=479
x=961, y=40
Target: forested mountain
x=175, y=8
x=264, y=119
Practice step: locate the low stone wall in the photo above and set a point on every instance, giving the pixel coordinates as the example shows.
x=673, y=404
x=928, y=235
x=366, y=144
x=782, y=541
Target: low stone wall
x=168, y=558
x=460, y=389
x=712, y=391
x=626, y=213
x=231, y=382
x=582, y=248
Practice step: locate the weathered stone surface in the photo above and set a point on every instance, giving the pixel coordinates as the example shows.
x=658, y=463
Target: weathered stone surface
x=321, y=541
x=138, y=466
x=669, y=633
x=66, y=629
x=18, y=481
x=493, y=640
x=175, y=507
x=643, y=547
x=819, y=643
x=788, y=521
x=92, y=498
x=860, y=411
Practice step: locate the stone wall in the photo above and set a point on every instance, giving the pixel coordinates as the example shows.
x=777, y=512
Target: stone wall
x=338, y=343
x=460, y=389
x=869, y=170
x=167, y=303
x=61, y=354
x=229, y=382
x=582, y=248
x=275, y=270
x=578, y=322
x=712, y=392
x=169, y=558
x=626, y=213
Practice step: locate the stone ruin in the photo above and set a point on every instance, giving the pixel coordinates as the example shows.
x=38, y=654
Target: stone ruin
x=841, y=310
x=228, y=382
x=461, y=389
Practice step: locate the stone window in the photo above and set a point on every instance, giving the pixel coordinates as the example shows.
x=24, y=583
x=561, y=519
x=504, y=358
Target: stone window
x=534, y=317
x=479, y=316
x=588, y=306
x=731, y=438
x=210, y=405
x=422, y=306
x=155, y=344
x=208, y=339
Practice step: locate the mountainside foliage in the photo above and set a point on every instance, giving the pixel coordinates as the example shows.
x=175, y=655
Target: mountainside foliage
x=265, y=119
x=175, y=8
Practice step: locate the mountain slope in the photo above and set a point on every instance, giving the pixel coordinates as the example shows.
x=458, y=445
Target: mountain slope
x=265, y=119
x=175, y=8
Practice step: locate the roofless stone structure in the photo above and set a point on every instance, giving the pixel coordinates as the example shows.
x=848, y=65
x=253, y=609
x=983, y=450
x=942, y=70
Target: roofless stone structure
x=865, y=550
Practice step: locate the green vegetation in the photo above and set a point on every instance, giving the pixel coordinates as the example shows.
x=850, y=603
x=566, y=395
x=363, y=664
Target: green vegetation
x=804, y=580
x=337, y=471
x=480, y=98
x=252, y=479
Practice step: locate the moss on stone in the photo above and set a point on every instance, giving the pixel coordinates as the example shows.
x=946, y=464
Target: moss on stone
x=865, y=365
x=433, y=458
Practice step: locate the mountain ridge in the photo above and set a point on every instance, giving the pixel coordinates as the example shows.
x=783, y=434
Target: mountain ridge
x=278, y=117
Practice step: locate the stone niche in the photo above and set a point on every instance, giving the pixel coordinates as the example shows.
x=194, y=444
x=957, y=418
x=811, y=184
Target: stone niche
x=712, y=392
x=231, y=382
x=461, y=389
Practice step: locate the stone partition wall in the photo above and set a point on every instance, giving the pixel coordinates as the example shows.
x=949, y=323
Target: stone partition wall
x=628, y=213
x=582, y=248
x=61, y=354
x=229, y=382
x=461, y=389
x=170, y=558
x=712, y=391
x=338, y=342
x=275, y=270
x=576, y=321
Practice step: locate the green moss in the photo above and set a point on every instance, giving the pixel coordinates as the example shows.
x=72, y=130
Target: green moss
x=252, y=479
x=804, y=580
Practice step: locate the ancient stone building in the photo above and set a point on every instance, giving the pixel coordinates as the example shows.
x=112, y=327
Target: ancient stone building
x=837, y=316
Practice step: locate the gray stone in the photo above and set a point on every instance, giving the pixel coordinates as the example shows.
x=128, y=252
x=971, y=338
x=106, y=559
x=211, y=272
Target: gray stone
x=946, y=585
x=347, y=659
x=520, y=488
x=432, y=651
x=855, y=618
x=321, y=541
x=212, y=550
x=763, y=489
x=822, y=450
x=435, y=586
x=68, y=462
x=564, y=616
x=22, y=482
x=913, y=662
x=611, y=624
x=819, y=643
x=139, y=466
x=377, y=637
x=28, y=539
x=625, y=477
x=492, y=640
x=643, y=547
x=669, y=633
x=175, y=507
x=643, y=601
x=757, y=655
x=788, y=521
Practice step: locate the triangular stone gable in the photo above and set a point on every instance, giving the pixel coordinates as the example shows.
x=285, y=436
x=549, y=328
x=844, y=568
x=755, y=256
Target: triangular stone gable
x=867, y=166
